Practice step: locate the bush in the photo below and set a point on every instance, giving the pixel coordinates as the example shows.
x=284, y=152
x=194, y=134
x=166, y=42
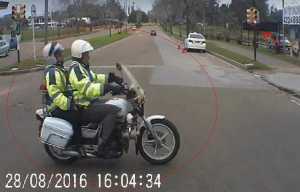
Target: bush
x=227, y=38
x=220, y=36
x=239, y=41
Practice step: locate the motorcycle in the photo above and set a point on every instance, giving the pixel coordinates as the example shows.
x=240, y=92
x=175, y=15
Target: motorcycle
x=155, y=137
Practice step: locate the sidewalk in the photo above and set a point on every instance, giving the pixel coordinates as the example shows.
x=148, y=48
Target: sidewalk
x=283, y=74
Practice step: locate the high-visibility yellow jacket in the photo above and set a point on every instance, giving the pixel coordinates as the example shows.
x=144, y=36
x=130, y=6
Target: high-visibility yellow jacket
x=56, y=83
x=86, y=84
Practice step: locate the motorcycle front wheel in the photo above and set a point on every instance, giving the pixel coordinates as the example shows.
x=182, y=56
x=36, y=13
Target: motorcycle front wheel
x=165, y=149
x=57, y=155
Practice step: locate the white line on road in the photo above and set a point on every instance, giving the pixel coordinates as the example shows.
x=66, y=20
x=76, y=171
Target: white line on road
x=295, y=102
x=129, y=66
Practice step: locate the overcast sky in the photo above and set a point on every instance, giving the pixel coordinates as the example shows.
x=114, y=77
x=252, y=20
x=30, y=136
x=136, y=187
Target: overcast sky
x=145, y=5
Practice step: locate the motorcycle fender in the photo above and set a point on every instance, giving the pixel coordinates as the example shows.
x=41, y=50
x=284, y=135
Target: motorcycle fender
x=153, y=117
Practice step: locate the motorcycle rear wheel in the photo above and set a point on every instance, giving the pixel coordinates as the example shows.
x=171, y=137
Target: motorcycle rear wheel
x=57, y=156
x=164, y=129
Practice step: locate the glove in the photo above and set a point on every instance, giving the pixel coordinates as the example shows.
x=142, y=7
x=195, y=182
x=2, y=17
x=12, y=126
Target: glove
x=113, y=78
x=115, y=89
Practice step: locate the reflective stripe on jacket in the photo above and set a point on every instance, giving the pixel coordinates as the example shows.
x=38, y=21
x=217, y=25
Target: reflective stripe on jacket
x=86, y=85
x=56, y=83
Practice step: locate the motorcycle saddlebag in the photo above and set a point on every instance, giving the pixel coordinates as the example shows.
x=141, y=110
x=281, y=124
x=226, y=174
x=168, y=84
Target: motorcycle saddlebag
x=56, y=132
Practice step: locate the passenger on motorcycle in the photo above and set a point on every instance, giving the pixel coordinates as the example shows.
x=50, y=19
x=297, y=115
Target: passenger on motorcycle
x=88, y=88
x=59, y=97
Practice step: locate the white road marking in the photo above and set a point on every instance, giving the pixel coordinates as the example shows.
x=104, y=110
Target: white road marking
x=295, y=101
x=129, y=66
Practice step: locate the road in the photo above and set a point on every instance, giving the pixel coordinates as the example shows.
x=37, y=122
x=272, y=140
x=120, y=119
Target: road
x=238, y=133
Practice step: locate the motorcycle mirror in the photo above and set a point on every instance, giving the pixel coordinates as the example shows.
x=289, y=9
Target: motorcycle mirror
x=118, y=66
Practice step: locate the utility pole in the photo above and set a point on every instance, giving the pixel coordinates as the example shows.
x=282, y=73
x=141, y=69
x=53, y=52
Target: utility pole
x=46, y=22
x=255, y=35
x=33, y=15
x=283, y=29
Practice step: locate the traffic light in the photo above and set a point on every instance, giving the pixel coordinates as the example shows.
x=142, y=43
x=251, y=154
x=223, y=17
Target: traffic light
x=252, y=16
x=255, y=16
x=14, y=12
x=23, y=12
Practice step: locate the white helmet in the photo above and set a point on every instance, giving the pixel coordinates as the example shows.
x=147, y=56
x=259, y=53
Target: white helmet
x=80, y=46
x=50, y=50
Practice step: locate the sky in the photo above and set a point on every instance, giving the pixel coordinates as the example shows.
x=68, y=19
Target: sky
x=145, y=5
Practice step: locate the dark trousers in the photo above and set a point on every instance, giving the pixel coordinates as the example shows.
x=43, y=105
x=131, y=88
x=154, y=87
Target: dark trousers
x=99, y=112
x=72, y=117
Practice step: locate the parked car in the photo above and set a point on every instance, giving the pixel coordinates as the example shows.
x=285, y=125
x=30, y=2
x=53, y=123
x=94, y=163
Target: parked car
x=195, y=41
x=4, y=48
x=153, y=33
x=286, y=41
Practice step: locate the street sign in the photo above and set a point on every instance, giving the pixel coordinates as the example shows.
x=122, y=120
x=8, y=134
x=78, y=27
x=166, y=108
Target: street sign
x=262, y=26
x=33, y=11
x=291, y=15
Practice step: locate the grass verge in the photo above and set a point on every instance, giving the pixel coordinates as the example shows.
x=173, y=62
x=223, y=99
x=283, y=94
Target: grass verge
x=97, y=42
x=236, y=57
x=54, y=34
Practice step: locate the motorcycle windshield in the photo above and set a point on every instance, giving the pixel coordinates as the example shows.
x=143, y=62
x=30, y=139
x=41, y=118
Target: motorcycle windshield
x=133, y=83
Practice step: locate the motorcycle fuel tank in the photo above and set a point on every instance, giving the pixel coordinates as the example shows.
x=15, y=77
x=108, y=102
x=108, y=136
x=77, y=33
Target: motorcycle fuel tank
x=122, y=104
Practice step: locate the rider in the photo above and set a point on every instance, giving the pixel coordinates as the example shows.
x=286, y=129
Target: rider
x=88, y=88
x=59, y=98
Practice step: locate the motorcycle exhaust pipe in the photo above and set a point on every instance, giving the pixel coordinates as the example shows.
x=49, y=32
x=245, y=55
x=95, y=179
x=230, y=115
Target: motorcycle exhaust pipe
x=71, y=153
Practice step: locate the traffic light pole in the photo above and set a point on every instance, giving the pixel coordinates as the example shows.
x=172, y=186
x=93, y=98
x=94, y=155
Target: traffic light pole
x=18, y=42
x=255, y=41
x=46, y=22
x=283, y=29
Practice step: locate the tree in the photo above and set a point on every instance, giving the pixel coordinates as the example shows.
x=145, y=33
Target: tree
x=77, y=9
x=138, y=16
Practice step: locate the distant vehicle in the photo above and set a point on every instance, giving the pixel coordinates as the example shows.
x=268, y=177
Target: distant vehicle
x=4, y=48
x=153, y=33
x=13, y=43
x=134, y=28
x=195, y=41
x=286, y=41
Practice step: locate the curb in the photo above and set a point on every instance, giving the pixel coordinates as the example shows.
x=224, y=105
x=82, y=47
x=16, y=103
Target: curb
x=6, y=73
x=262, y=77
x=287, y=90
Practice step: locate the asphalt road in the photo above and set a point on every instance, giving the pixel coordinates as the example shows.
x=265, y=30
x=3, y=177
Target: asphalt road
x=237, y=132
